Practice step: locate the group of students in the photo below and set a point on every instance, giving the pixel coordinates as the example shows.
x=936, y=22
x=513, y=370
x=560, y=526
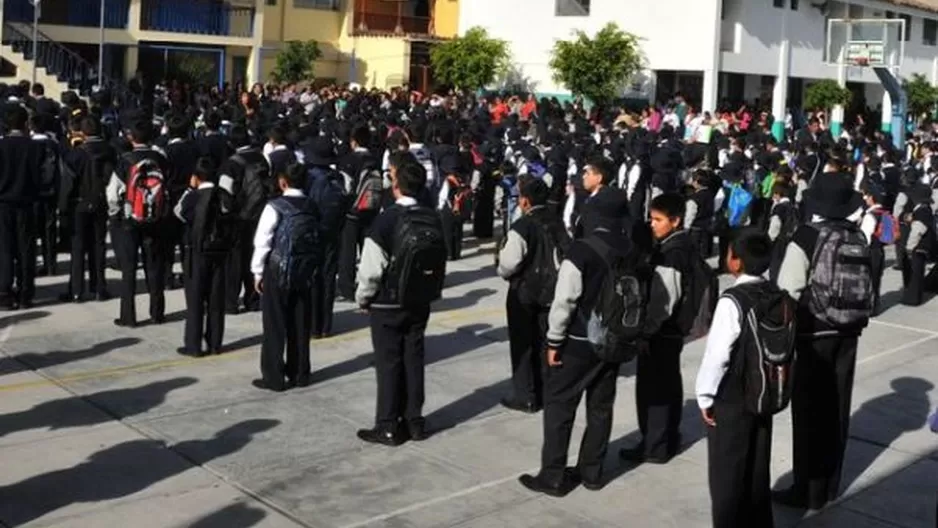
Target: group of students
x=606, y=228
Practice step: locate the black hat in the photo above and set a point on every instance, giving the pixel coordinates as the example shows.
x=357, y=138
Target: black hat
x=832, y=196
x=319, y=151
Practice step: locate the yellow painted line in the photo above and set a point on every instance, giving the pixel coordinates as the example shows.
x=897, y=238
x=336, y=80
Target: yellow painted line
x=458, y=316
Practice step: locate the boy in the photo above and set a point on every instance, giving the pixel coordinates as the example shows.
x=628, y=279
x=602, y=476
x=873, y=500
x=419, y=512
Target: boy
x=401, y=272
x=284, y=262
x=739, y=442
x=699, y=212
x=919, y=244
x=783, y=220
x=209, y=235
x=873, y=195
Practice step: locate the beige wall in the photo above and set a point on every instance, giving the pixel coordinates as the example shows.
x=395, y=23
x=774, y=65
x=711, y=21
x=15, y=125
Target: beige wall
x=446, y=17
x=382, y=62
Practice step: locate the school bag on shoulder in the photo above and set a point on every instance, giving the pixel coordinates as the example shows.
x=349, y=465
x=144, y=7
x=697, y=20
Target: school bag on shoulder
x=615, y=327
x=425, y=157
x=369, y=191
x=296, y=254
x=701, y=291
x=765, y=350
x=840, y=286
x=539, y=277
x=327, y=191
x=145, y=201
x=215, y=226
x=737, y=204
x=461, y=202
x=256, y=187
x=418, y=260
x=887, y=227
x=93, y=180
x=50, y=175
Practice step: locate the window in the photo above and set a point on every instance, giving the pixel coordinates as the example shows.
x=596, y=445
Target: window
x=781, y=3
x=572, y=8
x=270, y=2
x=930, y=32
x=778, y=3
x=316, y=4
x=794, y=5
x=908, y=26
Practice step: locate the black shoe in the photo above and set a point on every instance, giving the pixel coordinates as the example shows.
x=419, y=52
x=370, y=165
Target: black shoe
x=538, y=485
x=261, y=384
x=525, y=407
x=69, y=298
x=125, y=324
x=9, y=307
x=26, y=305
x=791, y=497
x=574, y=475
x=103, y=296
x=636, y=455
x=158, y=320
x=232, y=311
x=186, y=352
x=379, y=436
x=417, y=432
x=317, y=336
x=303, y=381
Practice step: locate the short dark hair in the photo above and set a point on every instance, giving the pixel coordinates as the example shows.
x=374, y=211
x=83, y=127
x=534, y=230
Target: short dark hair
x=399, y=158
x=213, y=121
x=277, y=134
x=39, y=90
x=16, y=118
x=361, y=135
x=536, y=191
x=780, y=188
x=411, y=179
x=672, y=205
x=295, y=176
x=239, y=136
x=141, y=131
x=754, y=249
x=178, y=126
x=602, y=166
x=90, y=127
x=205, y=169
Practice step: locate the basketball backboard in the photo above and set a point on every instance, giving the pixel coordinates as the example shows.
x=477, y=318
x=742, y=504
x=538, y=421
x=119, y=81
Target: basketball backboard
x=873, y=42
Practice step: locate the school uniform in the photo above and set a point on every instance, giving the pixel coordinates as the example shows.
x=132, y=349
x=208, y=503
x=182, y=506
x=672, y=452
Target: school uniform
x=919, y=246
x=46, y=210
x=901, y=207
x=204, y=276
x=781, y=217
x=739, y=448
x=869, y=226
x=357, y=223
x=20, y=166
x=240, y=277
x=181, y=156
x=286, y=315
x=698, y=219
x=397, y=332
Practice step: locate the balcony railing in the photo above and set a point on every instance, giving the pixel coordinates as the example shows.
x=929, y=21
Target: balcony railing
x=382, y=23
x=81, y=13
x=197, y=17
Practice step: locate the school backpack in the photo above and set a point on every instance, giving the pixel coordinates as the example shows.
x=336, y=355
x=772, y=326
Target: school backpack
x=425, y=157
x=257, y=186
x=418, y=260
x=461, y=202
x=145, y=201
x=98, y=167
x=539, y=276
x=840, y=286
x=51, y=169
x=327, y=191
x=765, y=350
x=214, y=227
x=296, y=254
x=737, y=205
x=615, y=327
x=369, y=192
x=700, y=291
x=887, y=227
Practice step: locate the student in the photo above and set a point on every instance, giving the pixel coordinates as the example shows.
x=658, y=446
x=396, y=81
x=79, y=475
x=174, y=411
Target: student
x=205, y=209
x=739, y=441
x=452, y=204
x=539, y=234
x=49, y=183
x=919, y=244
x=783, y=220
x=873, y=195
x=363, y=168
x=181, y=155
x=573, y=368
x=285, y=259
x=659, y=394
x=398, y=299
x=699, y=212
x=827, y=342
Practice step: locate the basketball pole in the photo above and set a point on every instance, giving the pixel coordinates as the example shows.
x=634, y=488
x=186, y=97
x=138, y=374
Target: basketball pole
x=780, y=92
x=837, y=113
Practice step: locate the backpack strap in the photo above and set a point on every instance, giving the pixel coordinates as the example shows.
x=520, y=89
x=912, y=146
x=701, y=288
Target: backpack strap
x=600, y=247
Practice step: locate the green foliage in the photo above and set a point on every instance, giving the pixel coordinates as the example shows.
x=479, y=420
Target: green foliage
x=599, y=67
x=826, y=94
x=193, y=68
x=471, y=61
x=921, y=95
x=295, y=61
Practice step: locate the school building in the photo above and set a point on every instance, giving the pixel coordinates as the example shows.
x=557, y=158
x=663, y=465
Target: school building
x=710, y=50
x=373, y=42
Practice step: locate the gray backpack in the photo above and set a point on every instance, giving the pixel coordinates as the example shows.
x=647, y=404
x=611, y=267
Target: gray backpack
x=840, y=287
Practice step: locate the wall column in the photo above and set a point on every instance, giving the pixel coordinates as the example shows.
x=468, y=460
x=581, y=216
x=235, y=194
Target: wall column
x=255, y=65
x=780, y=92
x=131, y=61
x=711, y=72
x=134, y=15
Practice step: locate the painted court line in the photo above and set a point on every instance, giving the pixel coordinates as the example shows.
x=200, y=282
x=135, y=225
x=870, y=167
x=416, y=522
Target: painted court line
x=897, y=349
x=903, y=327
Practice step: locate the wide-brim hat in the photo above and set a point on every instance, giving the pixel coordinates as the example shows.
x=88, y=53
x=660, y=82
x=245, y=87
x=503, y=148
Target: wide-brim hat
x=832, y=196
x=319, y=151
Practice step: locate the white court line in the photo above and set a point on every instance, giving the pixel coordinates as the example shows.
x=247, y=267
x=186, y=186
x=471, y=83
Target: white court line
x=437, y=500
x=904, y=327
x=897, y=349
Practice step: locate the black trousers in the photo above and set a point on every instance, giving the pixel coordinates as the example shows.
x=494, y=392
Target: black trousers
x=452, y=233
x=739, y=453
x=877, y=266
x=659, y=397
x=702, y=241
x=821, y=392
x=134, y=241
x=353, y=236
x=286, y=321
x=46, y=221
x=17, y=253
x=901, y=253
x=205, y=301
x=913, y=278
x=324, y=290
x=173, y=238
x=239, y=269
x=397, y=336
x=564, y=385
x=89, y=233
x=483, y=218
x=527, y=330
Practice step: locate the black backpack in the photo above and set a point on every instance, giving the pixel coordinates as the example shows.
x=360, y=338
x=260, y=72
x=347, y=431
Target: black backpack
x=616, y=325
x=94, y=179
x=256, y=187
x=296, y=254
x=539, y=276
x=418, y=260
x=765, y=350
x=326, y=189
x=50, y=172
x=214, y=227
x=700, y=287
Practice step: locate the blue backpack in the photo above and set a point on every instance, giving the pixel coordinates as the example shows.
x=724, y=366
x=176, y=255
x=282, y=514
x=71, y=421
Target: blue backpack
x=327, y=191
x=296, y=253
x=737, y=205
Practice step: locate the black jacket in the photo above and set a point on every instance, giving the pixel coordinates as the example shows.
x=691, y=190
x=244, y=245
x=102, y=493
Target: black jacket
x=21, y=161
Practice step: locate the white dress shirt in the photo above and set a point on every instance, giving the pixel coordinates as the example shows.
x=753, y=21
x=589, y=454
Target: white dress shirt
x=724, y=331
x=264, y=236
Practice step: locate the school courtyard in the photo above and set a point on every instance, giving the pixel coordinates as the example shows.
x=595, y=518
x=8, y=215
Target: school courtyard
x=103, y=426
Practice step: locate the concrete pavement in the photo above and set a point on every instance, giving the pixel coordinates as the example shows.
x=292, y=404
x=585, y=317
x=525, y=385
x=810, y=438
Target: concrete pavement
x=103, y=426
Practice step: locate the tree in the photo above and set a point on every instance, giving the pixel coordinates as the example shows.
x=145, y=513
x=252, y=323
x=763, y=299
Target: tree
x=192, y=68
x=826, y=94
x=295, y=61
x=598, y=67
x=921, y=95
x=471, y=61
